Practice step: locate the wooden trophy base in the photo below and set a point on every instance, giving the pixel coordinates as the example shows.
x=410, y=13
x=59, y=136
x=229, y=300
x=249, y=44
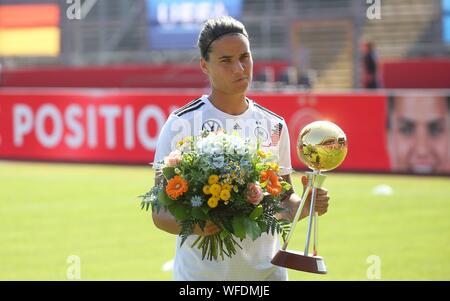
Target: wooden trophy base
x=297, y=261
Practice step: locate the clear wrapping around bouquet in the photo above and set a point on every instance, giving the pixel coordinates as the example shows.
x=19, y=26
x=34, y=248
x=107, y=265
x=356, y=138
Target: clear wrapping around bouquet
x=224, y=179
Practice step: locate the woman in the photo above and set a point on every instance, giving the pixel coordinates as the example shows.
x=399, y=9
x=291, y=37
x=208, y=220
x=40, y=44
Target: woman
x=226, y=59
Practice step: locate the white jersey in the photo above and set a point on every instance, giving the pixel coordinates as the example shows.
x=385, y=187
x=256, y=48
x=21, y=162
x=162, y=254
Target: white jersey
x=252, y=262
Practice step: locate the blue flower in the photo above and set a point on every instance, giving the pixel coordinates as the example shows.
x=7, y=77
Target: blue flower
x=245, y=163
x=218, y=161
x=196, y=201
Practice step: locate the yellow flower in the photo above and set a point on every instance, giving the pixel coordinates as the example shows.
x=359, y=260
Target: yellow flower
x=226, y=186
x=183, y=141
x=206, y=189
x=214, y=189
x=261, y=153
x=213, y=179
x=274, y=166
x=213, y=202
x=225, y=195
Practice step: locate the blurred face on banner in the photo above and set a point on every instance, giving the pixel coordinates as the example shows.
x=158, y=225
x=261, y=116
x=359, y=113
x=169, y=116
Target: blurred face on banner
x=419, y=134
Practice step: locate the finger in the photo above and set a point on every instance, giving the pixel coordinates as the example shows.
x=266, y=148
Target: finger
x=304, y=181
x=320, y=213
x=212, y=228
x=322, y=191
x=321, y=208
x=212, y=231
x=322, y=199
x=209, y=228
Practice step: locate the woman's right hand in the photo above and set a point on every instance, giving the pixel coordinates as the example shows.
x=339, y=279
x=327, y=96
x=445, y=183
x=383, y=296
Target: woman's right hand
x=209, y=229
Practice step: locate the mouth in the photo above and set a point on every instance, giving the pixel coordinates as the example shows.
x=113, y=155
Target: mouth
x=240, y=79
x=422, y=166
x=423, y=169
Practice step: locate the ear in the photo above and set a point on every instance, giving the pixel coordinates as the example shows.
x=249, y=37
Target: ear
x=204, y=66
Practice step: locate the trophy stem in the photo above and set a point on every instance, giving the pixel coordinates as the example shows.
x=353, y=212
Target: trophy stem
x=297, y=216
x=310, y=220
x=316, y=240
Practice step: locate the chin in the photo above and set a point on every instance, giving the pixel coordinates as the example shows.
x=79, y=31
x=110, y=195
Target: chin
x=242, y=88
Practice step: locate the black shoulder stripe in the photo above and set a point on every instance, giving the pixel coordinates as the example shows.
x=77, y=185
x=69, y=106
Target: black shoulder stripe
x=190, y=109
x=189, y=104
x=270, y=112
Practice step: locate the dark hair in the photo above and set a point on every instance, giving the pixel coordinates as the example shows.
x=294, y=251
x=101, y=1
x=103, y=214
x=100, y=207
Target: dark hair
x=214, y=29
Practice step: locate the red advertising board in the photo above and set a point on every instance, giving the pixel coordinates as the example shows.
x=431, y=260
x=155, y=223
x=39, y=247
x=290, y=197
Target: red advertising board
x=122, y=126
x=361, y=117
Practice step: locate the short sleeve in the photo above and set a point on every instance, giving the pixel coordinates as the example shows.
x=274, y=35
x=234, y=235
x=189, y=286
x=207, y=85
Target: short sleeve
x=174, y=130
x=285, y=151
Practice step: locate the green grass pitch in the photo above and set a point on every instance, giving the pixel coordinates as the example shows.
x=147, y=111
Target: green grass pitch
x=49, y=212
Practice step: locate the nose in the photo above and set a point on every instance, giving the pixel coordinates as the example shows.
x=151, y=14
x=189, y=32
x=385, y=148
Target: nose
x=422, y=142
x=238, y=67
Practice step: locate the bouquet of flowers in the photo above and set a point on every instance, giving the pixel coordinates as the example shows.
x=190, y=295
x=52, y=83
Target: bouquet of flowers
x=225, y=179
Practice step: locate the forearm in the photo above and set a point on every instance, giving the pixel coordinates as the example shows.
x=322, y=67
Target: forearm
x=165, y=221
x=291, y=204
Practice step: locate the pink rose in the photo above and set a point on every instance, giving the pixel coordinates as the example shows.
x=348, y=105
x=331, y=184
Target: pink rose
x=173, y=159
x=254, y=194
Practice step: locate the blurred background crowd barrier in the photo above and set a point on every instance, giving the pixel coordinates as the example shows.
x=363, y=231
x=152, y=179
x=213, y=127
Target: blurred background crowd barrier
x=67, y=69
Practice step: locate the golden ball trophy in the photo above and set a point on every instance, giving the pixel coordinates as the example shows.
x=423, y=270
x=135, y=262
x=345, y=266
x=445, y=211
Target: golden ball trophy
x=322, y=146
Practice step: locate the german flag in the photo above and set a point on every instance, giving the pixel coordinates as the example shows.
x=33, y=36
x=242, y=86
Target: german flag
x=30, y=30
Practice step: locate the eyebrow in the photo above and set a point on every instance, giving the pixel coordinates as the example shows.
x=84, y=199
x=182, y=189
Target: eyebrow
x=230, y=56
x=406, y=120
x=436, y=121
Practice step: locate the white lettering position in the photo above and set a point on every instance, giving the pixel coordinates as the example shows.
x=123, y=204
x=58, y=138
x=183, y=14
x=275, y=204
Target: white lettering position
x=76, y=126
x=22, y=123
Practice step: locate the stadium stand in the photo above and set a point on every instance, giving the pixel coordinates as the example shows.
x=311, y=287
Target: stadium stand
x=319, y=37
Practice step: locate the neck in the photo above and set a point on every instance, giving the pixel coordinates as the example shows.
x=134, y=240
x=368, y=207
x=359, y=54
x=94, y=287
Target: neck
x=230, y=104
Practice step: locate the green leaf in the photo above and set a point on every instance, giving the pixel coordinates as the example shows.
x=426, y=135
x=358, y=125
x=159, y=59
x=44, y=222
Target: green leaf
x=180, y=212
x=198, y=213
x=205, y=209
x=239, y=226
x=286, y=185
x=263, y=226
x=223, y=234
x=164, y=199
x=168, y=172
x=252, y=228
x=256, y=212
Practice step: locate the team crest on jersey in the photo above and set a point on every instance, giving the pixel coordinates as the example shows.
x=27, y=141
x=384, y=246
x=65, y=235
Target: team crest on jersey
x=211, y=125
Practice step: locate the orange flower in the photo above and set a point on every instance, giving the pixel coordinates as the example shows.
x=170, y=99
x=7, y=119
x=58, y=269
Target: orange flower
x=176, y=187
x=274, y=190
x=263, y=176
x=273, y=185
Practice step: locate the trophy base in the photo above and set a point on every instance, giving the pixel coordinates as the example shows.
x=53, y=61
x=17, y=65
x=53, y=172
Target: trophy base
x=298, y=261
